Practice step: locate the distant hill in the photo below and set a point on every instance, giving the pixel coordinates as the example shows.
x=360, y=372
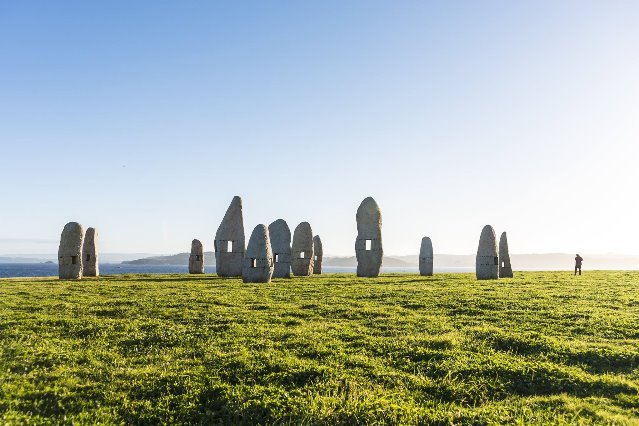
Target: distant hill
x=175, y=259
x=209, y=259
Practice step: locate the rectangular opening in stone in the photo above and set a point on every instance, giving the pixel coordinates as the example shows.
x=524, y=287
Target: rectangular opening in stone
x=301, y=256
x=496, y=261
x=276, y=257
x=369, y=244
x=503, y=264
x=88, y=257
x=74, y=260
x=229, y=246
x=197, y=257
x=253, y=263
x=316, y=257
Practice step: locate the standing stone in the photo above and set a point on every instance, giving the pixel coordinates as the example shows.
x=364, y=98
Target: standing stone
x=505, y=270
x=426, y=257
x=280, y=236
x=368, y=245
x=70, y=252
x=229, y=241
x=302, y=250
x=196, y=259
x=90, y=264
x=258, y=259
x=319, y=253
x=487, y=261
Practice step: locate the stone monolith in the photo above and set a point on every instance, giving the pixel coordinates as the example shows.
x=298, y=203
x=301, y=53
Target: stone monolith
x=70, y=252
x=426, y=257
x=368, y=245
x=258, y=259
x=505, y=269
x=318, y=253
x=229, y=241
x=302, y=250
x=196, y=259
x=90, y=264
x=280, y=236
x=487, y=261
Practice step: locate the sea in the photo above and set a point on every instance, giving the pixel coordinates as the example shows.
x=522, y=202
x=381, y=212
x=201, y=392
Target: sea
x=16, y=270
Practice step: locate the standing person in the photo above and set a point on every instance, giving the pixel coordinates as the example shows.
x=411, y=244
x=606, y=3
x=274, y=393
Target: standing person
x=578, y=261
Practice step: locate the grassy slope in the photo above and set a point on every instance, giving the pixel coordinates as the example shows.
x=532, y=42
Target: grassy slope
x=540, y=348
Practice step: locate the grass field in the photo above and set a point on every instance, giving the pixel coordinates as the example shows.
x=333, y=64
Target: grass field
x=544, y=348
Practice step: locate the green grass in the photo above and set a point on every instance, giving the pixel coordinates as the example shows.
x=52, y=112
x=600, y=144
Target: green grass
x=542, y=348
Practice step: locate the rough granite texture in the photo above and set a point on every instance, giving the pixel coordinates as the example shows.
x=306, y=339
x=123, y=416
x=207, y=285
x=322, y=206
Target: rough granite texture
x=302, y=243
x=487, y=261
x=258, y=259
x=505, y=269
x=229, y=263
x=70, y=252
x=196, y=259
x=90, y=263
x=426, y=257
x=280, y=236
x=319, y=254
x=369, y=227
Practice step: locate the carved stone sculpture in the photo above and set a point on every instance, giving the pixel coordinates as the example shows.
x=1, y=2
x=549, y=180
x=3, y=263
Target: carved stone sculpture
x=280, y=236
x=229, y=241
x=302, y=250
x=258, y=259
x=368, y=245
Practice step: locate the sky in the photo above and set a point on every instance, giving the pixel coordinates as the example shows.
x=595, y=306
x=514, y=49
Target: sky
x=143, y=119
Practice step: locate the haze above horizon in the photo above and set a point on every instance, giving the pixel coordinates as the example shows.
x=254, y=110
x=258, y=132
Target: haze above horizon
x=144, y=120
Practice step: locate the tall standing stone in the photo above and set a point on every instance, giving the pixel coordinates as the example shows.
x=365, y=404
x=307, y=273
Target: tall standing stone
x=487, y=261
x=229, y=241
x=368, y=245
x=90, y=264
x=70, y=252
x=505, y=270
x=280, y=236
x=319, y=254
x=426, y=257
x=258, y=259
x=302, y=250
x=196, y=258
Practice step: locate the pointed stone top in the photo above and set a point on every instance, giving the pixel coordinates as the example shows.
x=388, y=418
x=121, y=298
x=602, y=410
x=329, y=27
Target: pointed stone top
x=279, y=225
x=368, y=207
x=369, y=217
x=90, y=235
x=427, y=247
x=73, y=227
x=503, y=241
x=232, y=226
x=71, y=238
x=487, y=242
x=317, y=246
x=196, y=243
x=304, y=228
x=259, y=242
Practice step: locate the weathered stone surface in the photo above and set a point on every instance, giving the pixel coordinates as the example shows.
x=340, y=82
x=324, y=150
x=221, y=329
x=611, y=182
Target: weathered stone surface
x=70, y=252
x=487, y=261
x=368, y=245
x=228, y=260
x=318, y=253
x=258, y=259
x=90, y=264
x=280, y=236
x=505, y=270
x=302, y=250
x=196, y=258
x=426, y=257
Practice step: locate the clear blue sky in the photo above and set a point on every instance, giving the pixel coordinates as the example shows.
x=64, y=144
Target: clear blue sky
x=144, y=120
